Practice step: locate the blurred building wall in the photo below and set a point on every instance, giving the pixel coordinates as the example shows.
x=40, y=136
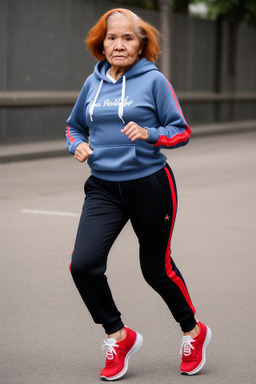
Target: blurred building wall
x=42, y=51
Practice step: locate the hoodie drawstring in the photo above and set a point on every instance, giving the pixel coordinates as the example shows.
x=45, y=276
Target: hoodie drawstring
x=121, y=104
x=94, y=101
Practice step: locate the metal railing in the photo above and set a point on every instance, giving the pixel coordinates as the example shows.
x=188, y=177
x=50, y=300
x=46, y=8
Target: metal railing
x=68, y=98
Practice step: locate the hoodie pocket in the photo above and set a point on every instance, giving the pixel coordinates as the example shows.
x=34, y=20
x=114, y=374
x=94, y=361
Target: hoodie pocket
x=114, y=158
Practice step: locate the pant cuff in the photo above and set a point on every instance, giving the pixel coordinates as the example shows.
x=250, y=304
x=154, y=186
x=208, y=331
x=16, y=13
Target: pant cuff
x=113, y=327
x=188, y=325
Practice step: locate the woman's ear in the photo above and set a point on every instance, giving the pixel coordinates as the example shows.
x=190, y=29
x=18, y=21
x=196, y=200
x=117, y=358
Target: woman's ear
x=141, y=48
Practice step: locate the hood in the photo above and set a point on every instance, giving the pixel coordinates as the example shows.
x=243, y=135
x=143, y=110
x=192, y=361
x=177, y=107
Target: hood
x=139, y=68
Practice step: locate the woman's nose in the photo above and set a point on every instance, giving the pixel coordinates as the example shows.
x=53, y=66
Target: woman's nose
x=119, y=44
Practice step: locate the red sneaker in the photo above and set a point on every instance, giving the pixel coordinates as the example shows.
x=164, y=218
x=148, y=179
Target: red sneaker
x=118, y=354
x=193, y=350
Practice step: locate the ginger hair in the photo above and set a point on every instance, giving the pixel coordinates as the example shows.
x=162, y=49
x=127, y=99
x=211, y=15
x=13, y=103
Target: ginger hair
x=146, y=32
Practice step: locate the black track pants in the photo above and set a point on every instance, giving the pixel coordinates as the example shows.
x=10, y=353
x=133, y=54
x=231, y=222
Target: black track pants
x=150, y=203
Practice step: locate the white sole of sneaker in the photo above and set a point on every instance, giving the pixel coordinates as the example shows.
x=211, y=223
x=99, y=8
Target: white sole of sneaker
x=206, y=343
x=136, y=346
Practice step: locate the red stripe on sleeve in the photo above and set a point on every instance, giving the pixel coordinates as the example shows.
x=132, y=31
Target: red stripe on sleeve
x=70, y=137
x=176, y=139
x=175, y=99
x=179, y=137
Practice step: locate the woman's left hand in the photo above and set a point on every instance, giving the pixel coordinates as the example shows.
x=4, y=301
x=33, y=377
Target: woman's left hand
x=134, y=132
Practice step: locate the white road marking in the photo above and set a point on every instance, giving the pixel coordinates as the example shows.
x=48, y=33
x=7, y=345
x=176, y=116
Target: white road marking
x=53, y=213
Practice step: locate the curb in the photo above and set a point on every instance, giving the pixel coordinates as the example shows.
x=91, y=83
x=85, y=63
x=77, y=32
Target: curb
x=232, y=127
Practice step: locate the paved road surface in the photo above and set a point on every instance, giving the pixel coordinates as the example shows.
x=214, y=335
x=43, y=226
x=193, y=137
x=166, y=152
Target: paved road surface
x=47, y=337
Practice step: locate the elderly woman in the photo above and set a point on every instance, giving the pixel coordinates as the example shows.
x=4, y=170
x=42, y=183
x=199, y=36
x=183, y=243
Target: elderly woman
x=129, y=111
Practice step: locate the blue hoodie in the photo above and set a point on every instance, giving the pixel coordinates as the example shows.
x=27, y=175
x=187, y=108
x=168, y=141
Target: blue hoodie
x=143, y=95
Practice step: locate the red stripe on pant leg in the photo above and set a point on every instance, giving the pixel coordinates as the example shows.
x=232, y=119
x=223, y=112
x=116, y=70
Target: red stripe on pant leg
x=168, y=266
x=71, y=261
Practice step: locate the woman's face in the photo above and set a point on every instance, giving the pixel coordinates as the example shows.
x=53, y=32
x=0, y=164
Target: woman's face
x=121, y=45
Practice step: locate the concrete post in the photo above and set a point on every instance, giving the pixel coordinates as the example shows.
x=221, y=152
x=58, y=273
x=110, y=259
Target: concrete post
x=166, y=38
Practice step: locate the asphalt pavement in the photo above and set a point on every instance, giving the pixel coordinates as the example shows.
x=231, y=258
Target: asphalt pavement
x=46, y=333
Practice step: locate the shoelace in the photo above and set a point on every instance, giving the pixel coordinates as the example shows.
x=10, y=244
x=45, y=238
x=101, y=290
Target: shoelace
x=186, y=345
x=110, y=349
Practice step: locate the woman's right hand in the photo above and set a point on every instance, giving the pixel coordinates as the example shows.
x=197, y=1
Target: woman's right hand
x=83, y=151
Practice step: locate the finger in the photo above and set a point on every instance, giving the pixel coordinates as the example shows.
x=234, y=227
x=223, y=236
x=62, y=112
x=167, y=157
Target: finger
x=128, y=126
x=80, y=156
x=139, y=133
x=79, y=159
x=83, y=151
x=132, y=130
x=135, y=136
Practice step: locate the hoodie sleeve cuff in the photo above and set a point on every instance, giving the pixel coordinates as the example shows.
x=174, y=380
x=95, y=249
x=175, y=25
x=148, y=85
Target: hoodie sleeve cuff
x=152, y=135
